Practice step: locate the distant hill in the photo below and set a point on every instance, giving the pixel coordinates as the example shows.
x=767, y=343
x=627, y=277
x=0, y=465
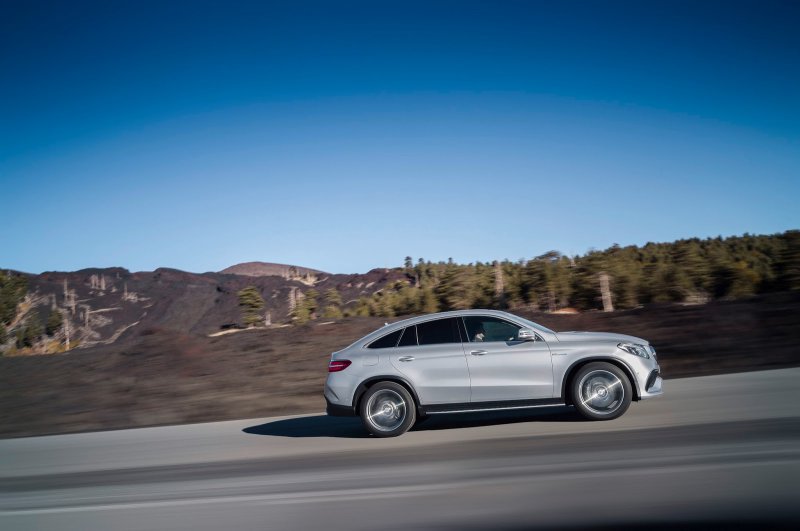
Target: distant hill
x=103, y=306
x=266, y=269
x=108, y=305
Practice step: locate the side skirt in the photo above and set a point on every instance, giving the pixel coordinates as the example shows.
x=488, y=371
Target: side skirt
x=470, y=407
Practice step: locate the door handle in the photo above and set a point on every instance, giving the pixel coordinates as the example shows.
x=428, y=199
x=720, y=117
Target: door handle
x=479, y=352
x=406, y=358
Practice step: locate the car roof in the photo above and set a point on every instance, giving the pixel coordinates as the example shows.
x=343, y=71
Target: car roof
x=391, y=327
x=454, y=313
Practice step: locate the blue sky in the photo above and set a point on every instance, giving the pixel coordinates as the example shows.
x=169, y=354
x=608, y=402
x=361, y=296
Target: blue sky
x=345, y=136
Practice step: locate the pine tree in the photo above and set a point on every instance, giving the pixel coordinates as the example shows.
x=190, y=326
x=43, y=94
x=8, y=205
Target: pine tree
x=428, y=302
x=333, y=301
x=306, y=308
x=456, y=290
x=30, y=332
x=301, y=313
x=310, y=301
x=251, y=304
x=54, y=322
x=332, y=312
x=12, y=290
x=364, y=307
x=788, y=266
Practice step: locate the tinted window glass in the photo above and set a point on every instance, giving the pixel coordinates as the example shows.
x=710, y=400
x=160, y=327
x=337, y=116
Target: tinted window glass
x=481, y=328
x=438, y=331
x=409, y=338
x=388, y=341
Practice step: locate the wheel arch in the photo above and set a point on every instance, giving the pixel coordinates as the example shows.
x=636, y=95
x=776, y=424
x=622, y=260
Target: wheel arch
x=372, y=380
x=573, y=369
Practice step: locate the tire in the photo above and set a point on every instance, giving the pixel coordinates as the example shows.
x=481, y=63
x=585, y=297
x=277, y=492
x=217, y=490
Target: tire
x=387, y=410
x=601, y=391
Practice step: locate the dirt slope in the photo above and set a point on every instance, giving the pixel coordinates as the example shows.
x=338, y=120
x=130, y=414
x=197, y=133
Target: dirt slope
x=160, y=376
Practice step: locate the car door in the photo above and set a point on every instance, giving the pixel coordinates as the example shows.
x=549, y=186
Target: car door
x=502, y=367
x=431, y=357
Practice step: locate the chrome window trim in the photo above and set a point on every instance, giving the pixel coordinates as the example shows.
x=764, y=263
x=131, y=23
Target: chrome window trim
x=412, y=321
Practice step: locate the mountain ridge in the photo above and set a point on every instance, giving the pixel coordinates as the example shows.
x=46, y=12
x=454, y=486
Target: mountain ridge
x=260, y=269
x=106, y=305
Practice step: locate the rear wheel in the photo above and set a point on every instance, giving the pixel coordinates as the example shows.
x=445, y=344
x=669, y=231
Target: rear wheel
x=601, y=391
x=387, y=410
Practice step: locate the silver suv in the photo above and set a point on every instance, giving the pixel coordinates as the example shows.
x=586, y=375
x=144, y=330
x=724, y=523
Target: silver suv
x=484, y=360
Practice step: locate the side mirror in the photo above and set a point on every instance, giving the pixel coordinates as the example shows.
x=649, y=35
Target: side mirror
x=526, y=334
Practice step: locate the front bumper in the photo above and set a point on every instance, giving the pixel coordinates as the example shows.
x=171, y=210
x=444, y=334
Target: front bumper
x=653, y=385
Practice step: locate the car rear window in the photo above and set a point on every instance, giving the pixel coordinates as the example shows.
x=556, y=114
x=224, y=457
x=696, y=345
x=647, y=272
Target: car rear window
x=387, y=341
x=409, y=338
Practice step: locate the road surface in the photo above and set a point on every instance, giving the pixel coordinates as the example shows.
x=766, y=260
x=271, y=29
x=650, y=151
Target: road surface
x=714, y=452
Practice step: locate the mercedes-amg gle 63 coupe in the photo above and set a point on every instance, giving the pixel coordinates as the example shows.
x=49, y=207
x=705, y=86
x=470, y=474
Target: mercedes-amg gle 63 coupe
x=485, y=360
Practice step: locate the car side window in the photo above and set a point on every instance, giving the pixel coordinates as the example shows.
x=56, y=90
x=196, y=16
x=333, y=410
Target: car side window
x=387, y=341
x=485, y=329
x=409, y=338
x=438, y=331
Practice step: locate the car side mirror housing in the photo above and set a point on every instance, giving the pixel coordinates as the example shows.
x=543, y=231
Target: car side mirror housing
x=526, y=334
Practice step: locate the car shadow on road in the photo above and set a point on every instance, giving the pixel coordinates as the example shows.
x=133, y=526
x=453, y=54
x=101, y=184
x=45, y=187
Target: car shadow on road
x=350, y=427
x=496, y=418
x=311, y=426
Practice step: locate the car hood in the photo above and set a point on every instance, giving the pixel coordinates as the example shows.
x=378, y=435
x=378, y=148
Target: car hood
x=598, y=336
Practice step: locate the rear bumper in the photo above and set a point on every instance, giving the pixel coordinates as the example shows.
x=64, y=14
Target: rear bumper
x=338, y=410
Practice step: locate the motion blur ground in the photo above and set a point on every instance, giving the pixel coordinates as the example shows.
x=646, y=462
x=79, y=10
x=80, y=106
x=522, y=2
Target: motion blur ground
x=164, y=377
x=718, y=452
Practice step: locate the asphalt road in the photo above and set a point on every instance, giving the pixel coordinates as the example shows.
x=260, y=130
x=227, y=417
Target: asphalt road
x=714, y=452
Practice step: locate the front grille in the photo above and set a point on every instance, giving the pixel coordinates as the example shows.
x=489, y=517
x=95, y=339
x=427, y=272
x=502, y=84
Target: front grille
x=651, y=380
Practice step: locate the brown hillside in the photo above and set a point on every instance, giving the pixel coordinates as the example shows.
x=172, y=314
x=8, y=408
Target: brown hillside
x=112, y=305
x=162, y=376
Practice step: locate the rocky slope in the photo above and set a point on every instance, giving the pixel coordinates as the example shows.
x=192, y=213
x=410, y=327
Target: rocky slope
x=103, y=306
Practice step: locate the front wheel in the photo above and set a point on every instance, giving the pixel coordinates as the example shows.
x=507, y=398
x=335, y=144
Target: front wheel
x=387, y=410
x=601, y=391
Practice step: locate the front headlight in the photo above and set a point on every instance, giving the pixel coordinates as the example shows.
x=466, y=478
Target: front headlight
x=635, y=349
